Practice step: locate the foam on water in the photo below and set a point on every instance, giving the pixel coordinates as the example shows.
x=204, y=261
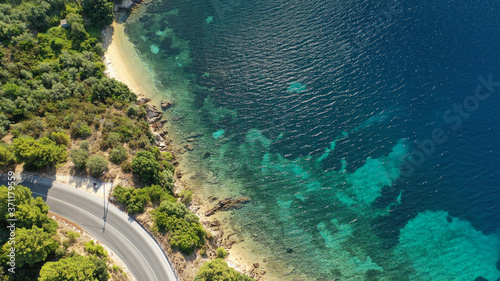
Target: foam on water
x=441, y=247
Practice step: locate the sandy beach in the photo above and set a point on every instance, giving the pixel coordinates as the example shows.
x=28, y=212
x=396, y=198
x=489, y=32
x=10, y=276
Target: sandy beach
x=123, y=63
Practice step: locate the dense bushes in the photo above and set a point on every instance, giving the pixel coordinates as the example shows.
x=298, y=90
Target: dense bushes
x=219, y=270
x=135, y=199
x=107, y=88
x=40, y=153
x=183, y=227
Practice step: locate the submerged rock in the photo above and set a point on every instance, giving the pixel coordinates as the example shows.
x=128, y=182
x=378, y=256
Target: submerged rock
x=194, y=135
x=228, y=204
x=165, y=104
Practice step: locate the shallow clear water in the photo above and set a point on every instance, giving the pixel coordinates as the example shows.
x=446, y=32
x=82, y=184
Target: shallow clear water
x=365, y=133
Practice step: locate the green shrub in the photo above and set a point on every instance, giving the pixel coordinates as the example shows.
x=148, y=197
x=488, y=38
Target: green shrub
x=79, y=157
x=221, y=253
x=145, y=165
x=60, y=252
x=60, y=138
x=118, y=154
x=6, y=155
x=183, y=227
x=72, y=235
x=122, y=194
x=132, y=110
x=76, y=268
x=97, y=165
x=95, y=249
x=156, y=152
x=167, y=156
x=134, y=199
x=114, y=139
x=4, y=125
x=84, y=144
x=136, y=203
x=202, y=252
x=101, y=269
x=100, y=12
x=186, y=196
x=126, y=167
x=29, y=211
x=79, y=129
x=166, y=180
x=169, y=166
x=218, y=269
x=106, y=90
x=66, y=244
x=155, y=192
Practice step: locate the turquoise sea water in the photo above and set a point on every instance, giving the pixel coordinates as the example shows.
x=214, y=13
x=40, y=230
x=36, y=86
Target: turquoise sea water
x=365, y=133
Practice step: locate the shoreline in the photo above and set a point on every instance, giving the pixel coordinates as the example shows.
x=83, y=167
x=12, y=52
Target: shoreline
x=124, y=64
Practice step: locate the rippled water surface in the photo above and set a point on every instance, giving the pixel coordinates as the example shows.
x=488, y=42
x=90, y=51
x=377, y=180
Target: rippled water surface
x=365, y=132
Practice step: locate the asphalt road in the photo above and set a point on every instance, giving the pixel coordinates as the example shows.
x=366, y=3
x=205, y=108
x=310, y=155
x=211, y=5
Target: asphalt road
x=114, y=228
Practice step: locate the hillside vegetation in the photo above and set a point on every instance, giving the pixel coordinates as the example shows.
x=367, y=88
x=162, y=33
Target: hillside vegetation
x=57, y=107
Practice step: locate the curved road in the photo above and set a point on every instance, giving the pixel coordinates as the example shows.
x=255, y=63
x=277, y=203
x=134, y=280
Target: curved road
x=114, y=228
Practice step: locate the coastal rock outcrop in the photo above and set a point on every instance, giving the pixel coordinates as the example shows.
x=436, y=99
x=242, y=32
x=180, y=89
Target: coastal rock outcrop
x=166, y=104
x=227, y=204
x=143, y=100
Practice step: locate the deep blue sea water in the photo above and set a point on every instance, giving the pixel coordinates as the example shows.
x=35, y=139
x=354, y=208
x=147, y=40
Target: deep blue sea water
x=316, y=109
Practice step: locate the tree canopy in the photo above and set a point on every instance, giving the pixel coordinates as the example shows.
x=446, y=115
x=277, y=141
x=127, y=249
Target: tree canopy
x=183, y=227
x=145, y=165
x=100, y=12
x=97, y=165
x=40, y=153
x=32, y=246
x=29, y=211
x=76, y=268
